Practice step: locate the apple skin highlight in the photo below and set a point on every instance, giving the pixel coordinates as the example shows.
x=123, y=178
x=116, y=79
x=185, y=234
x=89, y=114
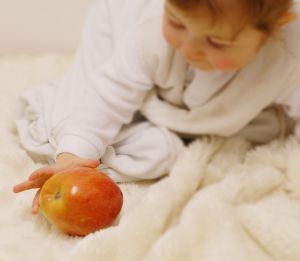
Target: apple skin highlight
x=80, y=201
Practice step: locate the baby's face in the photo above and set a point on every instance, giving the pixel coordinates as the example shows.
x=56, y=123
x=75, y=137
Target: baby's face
x=205, y=45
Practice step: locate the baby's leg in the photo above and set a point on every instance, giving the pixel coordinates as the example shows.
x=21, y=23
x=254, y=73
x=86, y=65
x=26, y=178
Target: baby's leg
x=141, y=151
x=271, y=123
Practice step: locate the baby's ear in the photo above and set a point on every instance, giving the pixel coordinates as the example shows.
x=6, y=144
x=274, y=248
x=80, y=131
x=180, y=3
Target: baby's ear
x=286, y=18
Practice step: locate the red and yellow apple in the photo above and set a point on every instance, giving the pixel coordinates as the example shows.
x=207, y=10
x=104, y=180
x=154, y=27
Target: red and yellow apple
x=80, y=201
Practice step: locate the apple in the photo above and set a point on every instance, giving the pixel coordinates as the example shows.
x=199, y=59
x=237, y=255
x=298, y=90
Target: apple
x=80, y=201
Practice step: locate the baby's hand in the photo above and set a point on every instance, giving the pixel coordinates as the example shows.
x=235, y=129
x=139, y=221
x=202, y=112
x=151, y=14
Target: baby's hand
x=37, y=179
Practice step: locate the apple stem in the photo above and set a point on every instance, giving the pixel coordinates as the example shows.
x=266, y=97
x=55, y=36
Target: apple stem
x=57, y=195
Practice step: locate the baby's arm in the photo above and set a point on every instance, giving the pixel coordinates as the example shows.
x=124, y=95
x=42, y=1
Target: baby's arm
x=100, y=43
x=37, y=179
x=114, y=92
x=106, y=90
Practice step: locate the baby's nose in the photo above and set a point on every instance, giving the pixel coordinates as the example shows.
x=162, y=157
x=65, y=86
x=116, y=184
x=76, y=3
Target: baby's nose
x=191, y=51
x=193, y=54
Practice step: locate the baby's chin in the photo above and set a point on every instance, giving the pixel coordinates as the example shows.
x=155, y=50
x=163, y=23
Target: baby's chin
x=207, y=67
x=201, y=65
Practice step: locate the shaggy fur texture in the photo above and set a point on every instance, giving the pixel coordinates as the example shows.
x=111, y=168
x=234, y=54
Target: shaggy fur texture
x=223, y=200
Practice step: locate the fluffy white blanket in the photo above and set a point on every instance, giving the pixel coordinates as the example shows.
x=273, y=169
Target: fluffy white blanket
x=223, y=200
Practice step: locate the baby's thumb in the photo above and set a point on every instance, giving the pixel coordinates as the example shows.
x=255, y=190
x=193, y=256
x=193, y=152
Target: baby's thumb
x=35, y=203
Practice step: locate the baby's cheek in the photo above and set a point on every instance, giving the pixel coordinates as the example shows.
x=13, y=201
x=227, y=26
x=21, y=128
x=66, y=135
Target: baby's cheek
x=170, y=37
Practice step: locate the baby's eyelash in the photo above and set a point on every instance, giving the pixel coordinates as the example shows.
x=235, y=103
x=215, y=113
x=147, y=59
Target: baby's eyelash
x=214, y=44
x=177, y=25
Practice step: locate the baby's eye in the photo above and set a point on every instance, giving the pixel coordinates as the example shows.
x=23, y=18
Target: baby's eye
x=176, y=24
x=215, y=44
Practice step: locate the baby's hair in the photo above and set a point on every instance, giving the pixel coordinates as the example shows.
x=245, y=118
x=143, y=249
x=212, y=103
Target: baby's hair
x=262, y=14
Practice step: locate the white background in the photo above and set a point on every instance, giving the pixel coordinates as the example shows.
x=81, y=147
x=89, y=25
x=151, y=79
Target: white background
x=37, y=26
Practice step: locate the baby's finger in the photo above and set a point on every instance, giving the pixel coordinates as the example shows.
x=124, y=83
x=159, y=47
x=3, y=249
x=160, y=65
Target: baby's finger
x=22, y=186
x=45, y=172
x=28, y=184
x=35, y=203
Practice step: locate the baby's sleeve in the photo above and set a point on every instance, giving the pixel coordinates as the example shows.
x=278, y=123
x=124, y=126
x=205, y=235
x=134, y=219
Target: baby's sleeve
x=114, y=92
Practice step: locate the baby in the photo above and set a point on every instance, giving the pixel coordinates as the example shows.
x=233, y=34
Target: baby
x=151, y=75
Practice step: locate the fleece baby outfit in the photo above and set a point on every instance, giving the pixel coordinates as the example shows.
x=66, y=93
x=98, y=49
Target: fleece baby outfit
x=129, y=98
